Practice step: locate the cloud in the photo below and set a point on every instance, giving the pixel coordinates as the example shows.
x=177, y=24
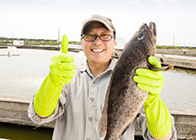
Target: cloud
x=168, y=5
x=165, y=1
x=57, y=1
x=132, y=2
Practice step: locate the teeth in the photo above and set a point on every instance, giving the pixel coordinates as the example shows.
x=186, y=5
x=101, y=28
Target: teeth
x=97, y=50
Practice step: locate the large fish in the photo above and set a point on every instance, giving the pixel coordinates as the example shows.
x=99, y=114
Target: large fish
x=124, y=99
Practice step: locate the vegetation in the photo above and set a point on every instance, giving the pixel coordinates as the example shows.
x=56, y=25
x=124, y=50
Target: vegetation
x=168, y=47
x=9, y=41
x=175, y=47
x=42, y=42
x=74, y=42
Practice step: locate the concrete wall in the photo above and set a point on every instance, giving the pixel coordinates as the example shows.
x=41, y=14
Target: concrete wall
x=183, y=52
x=14, y=111
x=177, y=62
x=168, y=60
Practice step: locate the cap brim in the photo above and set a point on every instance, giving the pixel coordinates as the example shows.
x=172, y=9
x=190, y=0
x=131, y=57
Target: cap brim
x=90, y=21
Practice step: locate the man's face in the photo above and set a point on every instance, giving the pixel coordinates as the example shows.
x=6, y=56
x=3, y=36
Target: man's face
x=98, y=51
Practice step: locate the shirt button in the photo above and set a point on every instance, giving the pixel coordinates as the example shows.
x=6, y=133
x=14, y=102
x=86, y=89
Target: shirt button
x=90, y=119
x=92, y=99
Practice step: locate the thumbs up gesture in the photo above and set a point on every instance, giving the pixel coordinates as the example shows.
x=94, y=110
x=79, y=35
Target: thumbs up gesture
x=62, y=65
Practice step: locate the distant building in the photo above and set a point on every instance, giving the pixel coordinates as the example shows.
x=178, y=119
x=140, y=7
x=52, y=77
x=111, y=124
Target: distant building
x=18, y=42
x=120, y=43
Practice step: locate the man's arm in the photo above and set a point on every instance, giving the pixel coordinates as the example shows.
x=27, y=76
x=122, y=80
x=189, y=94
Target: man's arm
x=167, y=137
x=159, y=122
x=61, y=72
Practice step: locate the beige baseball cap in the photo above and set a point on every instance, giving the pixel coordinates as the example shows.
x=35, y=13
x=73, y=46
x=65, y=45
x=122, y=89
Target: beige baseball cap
x=97, y=18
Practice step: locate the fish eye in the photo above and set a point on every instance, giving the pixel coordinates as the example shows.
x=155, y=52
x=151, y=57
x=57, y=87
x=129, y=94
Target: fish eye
x=140, y=35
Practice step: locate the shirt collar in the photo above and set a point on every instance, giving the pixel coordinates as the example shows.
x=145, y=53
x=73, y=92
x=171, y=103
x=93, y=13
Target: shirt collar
x=85, y=68
x=112, y=65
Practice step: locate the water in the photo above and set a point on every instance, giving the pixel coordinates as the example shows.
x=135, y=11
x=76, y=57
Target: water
x=21, y=76
x=179, y=91
x=18, y=132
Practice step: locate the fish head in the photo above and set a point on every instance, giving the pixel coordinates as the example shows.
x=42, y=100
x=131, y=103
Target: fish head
x=148, y=35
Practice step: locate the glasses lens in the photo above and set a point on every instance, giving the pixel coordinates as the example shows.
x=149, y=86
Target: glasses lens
x=89, y=37
x=106, y=37
x=93, y=37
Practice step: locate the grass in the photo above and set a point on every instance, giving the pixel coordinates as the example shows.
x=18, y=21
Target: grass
x=175, y=47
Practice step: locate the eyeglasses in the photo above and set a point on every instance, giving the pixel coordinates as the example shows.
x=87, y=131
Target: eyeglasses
x=91, y=38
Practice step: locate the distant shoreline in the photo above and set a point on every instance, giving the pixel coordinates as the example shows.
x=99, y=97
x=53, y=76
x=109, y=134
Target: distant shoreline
x=167, y=47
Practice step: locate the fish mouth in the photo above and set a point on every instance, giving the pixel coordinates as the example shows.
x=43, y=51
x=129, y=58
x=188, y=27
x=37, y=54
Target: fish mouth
x=152, y=28
x=151, y=32
x=153, y=39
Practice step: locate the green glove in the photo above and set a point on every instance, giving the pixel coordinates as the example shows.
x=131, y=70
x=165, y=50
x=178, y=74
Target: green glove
x=159, y=121
x=61, y=72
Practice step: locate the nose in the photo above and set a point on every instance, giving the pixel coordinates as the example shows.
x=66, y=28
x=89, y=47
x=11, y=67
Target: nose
x=97, y=41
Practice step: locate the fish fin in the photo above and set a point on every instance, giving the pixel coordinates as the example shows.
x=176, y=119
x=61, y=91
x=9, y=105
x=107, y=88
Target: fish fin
x=125, y=130
x=104, y=118
x=103, y=123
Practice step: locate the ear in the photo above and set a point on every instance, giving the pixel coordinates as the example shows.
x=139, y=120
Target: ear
x=82, y=41
x=115, y=42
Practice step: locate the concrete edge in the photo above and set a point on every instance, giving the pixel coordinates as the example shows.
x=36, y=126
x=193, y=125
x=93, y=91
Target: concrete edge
x=14, y=99
x=14, y=111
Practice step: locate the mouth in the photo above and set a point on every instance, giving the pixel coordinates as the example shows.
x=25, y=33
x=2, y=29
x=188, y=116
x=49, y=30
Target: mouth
x=97, y=50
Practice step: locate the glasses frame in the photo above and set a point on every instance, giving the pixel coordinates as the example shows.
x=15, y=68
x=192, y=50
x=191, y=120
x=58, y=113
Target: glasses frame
x=95, y=37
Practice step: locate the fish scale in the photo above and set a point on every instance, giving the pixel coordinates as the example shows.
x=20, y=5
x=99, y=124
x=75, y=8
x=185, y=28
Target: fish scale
x=124, y=99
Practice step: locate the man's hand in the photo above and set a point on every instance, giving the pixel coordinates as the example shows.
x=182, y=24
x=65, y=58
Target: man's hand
x=149, y=80
x=61, y=72
x=61, y=65
x=158, y=119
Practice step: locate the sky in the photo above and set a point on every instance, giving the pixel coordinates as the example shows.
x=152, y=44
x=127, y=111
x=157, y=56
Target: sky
x=40, y=19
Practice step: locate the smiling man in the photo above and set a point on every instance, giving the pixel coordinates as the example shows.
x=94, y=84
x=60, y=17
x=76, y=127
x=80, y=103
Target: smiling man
x=75, y=97
x=98, y=44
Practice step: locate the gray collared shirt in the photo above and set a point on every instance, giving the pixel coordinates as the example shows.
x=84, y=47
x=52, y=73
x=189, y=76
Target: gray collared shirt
x=80, y=106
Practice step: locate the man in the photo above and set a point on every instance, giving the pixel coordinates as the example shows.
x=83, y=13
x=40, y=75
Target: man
x=75, y=98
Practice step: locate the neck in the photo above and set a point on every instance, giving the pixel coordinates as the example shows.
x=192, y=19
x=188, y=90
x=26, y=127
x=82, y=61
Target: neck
x=97, y=69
